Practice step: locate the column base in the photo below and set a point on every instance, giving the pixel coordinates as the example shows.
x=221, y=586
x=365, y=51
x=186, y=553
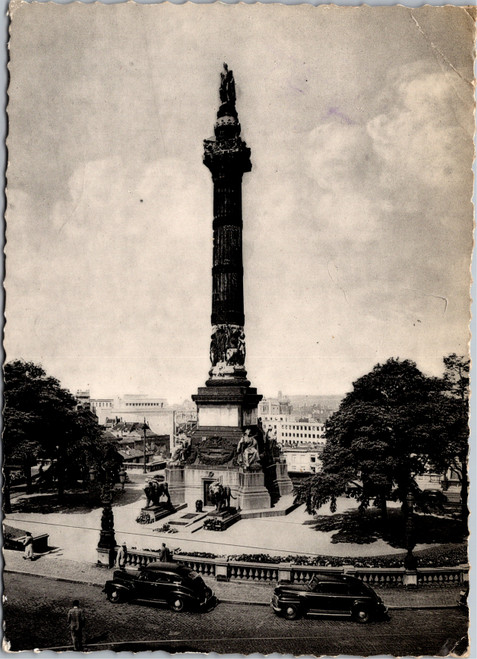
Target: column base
x=176, y=484
x=285, y=486
x=252, y=493
x=410, y=579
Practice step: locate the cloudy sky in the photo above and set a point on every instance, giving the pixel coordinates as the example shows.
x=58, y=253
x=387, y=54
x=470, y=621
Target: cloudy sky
x=357, y=212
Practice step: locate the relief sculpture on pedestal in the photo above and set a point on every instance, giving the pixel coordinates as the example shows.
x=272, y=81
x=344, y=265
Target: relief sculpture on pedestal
x=227, y=349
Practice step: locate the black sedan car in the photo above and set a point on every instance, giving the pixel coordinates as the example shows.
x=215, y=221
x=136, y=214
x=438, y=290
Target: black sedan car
x=172, y=584
x=328, y=595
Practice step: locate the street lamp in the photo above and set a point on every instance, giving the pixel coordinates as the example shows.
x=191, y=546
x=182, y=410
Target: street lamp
x=144, y=428
x=410, y=561
x=106, y=548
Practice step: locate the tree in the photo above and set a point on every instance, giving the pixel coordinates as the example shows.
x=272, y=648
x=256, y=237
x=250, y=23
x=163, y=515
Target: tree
x=456, y=409
x=41, y=421
x=37, y=414
x=384, y=434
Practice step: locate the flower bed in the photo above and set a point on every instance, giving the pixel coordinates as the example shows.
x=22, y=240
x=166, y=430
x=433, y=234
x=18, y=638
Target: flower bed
x=443, y=556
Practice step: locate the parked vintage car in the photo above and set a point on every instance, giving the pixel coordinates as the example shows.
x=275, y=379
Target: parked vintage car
x=172, y=584
x=328, y=595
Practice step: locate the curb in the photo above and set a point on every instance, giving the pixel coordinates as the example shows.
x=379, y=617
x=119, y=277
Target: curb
x=53, y=578
x=226, y=600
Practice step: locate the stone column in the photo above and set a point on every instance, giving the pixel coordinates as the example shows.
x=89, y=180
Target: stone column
x=227, y=403
x=228, y=158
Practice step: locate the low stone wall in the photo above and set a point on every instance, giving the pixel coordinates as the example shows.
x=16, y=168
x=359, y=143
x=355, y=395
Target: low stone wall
x=40, y=543
x=229, y=570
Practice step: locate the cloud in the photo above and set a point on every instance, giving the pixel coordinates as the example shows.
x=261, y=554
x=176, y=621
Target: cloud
x=424, y=134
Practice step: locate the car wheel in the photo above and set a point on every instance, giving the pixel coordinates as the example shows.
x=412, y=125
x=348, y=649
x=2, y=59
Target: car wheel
x=291, y=612
x=361, y=614
x=177, y=604
x=115, y=596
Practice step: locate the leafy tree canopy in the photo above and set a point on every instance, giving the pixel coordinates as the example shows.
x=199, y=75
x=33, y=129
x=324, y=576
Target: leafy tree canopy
x=41, y=421
x=386, y=431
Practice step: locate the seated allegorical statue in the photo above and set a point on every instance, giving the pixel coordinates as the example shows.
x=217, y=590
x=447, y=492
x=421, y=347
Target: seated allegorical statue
x=248, y=456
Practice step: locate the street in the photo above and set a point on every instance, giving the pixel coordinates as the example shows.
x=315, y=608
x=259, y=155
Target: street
x=35, y=617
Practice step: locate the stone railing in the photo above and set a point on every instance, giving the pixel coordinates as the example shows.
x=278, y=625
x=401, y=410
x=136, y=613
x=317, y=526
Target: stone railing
x=431, y=576
x=205, y=566
x=137, y=559
x=229, y=570
x=241, y=571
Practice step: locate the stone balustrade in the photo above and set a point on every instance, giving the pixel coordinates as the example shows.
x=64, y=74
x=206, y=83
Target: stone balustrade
x=137, y=559
x=430, y=576
x=231, y=570
x=242, y=571
x=205, y=566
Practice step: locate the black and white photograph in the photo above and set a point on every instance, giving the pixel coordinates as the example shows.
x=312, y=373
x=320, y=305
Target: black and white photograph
x=236, y=373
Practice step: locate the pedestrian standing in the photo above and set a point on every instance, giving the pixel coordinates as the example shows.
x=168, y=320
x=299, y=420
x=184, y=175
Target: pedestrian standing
x=165, y=555
x=76, y=624
x=28, y=544
x=121, y=556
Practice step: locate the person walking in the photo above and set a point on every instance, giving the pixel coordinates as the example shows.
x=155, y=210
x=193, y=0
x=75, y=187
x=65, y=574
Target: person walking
x=28, y=544
x=76, y=624
x=121, y=556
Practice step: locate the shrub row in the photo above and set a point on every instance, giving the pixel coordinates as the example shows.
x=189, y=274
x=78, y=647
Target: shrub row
x=445, y=556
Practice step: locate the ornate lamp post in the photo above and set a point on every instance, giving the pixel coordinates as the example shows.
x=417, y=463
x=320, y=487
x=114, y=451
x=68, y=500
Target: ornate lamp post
x=107, y=541
x=410, y=561
x=144, y=428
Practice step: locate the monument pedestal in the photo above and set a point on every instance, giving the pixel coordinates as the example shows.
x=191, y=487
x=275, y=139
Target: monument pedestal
x=284, y=484
x=155, y=513
x=220, y=521
x=176, y=484
x=252, y=493
x=224, y=407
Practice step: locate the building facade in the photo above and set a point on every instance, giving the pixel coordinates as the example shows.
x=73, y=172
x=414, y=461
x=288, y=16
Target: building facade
x=295, y=431
x=135, y=408
x=303, y=460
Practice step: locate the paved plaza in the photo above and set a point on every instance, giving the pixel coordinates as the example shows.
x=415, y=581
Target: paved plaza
x=75, y=534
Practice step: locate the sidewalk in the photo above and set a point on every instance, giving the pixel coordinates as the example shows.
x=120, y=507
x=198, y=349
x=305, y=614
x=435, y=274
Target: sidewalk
x=54, y=566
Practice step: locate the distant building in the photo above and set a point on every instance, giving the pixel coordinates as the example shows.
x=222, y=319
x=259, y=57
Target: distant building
x=295, y=431
x=100, y=404
x=83, y=399
x=303, y=460
x=135, y=408
x=319, y=408
x=273, y=406
x=130, y=438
